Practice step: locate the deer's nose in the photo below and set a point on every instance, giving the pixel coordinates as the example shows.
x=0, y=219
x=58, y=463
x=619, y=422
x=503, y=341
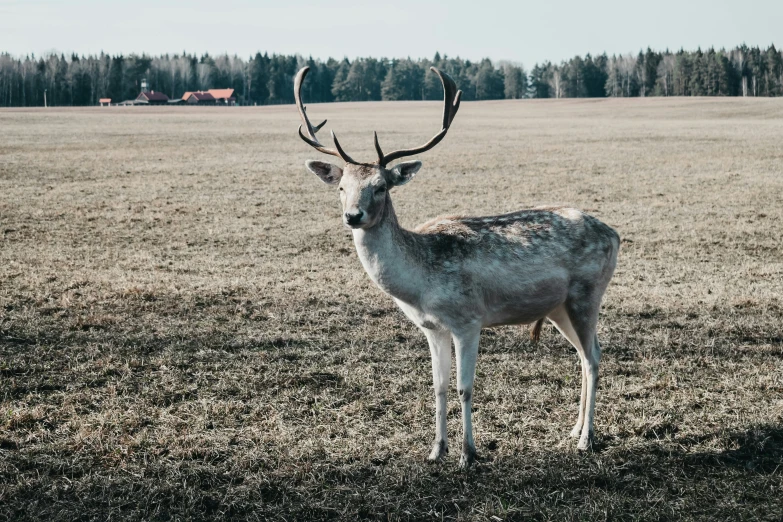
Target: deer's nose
x=354, y=218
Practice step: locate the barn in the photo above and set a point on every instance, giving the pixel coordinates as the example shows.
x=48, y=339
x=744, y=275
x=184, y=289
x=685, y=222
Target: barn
x=210, y=97
x=198, y=98
x=223, y=96
x=153, y=98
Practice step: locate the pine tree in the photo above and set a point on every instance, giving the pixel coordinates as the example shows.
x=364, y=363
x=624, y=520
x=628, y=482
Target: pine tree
x=81, y=80
x=538, y=84
x=682, y=73
x=489, y=82
x=341, y=87
x=650, y=71
x=259, y=79
x=573, y=78
x=774, y=72
x=431, y=83
x=404, y=81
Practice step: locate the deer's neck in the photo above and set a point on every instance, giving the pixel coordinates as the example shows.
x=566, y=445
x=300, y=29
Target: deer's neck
x=386, y=252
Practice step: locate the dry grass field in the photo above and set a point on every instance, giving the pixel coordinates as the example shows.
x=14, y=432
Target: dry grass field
x=187, y=333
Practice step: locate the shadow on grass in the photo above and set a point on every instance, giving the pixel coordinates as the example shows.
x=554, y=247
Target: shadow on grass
x=759, y=450
x=641, y=479
x=656, y=475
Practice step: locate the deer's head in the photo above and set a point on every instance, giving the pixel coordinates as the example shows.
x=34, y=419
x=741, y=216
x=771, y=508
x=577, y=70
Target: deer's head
x=364, y=187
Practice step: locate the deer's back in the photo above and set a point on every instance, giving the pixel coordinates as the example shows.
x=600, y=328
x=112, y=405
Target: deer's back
x=544, y=234
x=516, y=267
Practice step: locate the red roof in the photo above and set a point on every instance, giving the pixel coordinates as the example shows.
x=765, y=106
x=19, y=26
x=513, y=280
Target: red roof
x=222, y=93
x=153, y=96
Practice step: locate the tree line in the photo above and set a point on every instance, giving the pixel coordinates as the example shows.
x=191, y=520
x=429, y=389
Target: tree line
x=263, y=79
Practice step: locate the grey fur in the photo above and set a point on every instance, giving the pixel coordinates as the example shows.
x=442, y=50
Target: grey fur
x=454, y=275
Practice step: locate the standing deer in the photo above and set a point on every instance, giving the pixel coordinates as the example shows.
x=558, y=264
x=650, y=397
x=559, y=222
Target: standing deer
x=453, y=275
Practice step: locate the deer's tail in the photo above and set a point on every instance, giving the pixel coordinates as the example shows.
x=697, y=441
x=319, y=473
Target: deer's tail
x=535, y=330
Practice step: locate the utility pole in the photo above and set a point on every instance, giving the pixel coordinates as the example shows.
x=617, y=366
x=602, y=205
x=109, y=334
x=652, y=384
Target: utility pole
x=44, y=97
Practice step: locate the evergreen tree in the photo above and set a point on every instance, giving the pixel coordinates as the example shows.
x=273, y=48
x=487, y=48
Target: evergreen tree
x=595, y=76
x=538, y=84
x=489, y=82
x=82, y=80
x=341, y=87
x=649, y=69
x=432, y=87
x=698, y=78
x=258, y=79
x=572, y=78
x=682, y=74
x=404, y=81
x=117, y=88
x=774, y=77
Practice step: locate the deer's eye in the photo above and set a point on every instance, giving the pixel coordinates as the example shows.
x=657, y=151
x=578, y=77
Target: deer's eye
x=380, y=190
x=341, y=189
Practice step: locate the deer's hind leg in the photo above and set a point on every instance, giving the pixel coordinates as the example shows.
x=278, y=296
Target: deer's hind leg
x=577, y=322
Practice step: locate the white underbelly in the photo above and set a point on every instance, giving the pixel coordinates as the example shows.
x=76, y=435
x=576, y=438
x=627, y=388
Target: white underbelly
x=421, y=318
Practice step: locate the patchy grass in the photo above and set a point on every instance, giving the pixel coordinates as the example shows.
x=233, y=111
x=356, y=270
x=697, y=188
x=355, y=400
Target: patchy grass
x=186, y=332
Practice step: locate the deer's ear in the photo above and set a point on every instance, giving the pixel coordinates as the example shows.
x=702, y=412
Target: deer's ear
x=404, y=172
x=329, y=174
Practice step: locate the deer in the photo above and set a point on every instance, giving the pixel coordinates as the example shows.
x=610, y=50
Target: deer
x=454, y=275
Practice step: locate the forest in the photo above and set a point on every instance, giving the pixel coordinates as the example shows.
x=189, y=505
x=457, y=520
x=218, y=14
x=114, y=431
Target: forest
x=268, y=79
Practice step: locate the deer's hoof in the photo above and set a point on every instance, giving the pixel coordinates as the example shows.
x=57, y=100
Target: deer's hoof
x=585, y=442
x=439, y=451
x=468, y=457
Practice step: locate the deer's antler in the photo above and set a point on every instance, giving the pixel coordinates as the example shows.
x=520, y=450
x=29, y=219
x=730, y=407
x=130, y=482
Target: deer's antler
x=451, y=99
x=311, y=139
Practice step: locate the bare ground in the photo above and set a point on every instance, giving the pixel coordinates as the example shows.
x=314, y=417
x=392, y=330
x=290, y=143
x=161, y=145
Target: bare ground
x=186, y=332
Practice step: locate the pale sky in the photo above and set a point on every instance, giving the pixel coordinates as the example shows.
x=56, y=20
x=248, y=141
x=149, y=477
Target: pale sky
x=526, y=32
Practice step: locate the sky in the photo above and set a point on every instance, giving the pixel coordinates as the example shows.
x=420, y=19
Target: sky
x=522, y=32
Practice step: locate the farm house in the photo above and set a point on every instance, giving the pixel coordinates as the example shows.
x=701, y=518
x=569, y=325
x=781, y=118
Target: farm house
x=198, y=98
x=153, y=98
x=210, y=97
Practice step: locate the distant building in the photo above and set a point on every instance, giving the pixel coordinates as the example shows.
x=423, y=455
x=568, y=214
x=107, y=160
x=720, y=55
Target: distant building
x=198, y=98
x=210, y=97
x=105, y=102
x=153, y=98
x=223, y=96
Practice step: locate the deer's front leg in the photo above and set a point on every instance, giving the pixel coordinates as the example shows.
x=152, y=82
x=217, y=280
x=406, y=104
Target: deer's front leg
x=440, y=350
x=466, y=348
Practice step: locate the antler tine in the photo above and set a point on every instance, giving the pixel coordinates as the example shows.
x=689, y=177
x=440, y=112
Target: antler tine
x=449, y=90
x=311, y=138
x=300, y=76
x=451, y=100
x=378, y=149
x=341, y=152
x=318, y=127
